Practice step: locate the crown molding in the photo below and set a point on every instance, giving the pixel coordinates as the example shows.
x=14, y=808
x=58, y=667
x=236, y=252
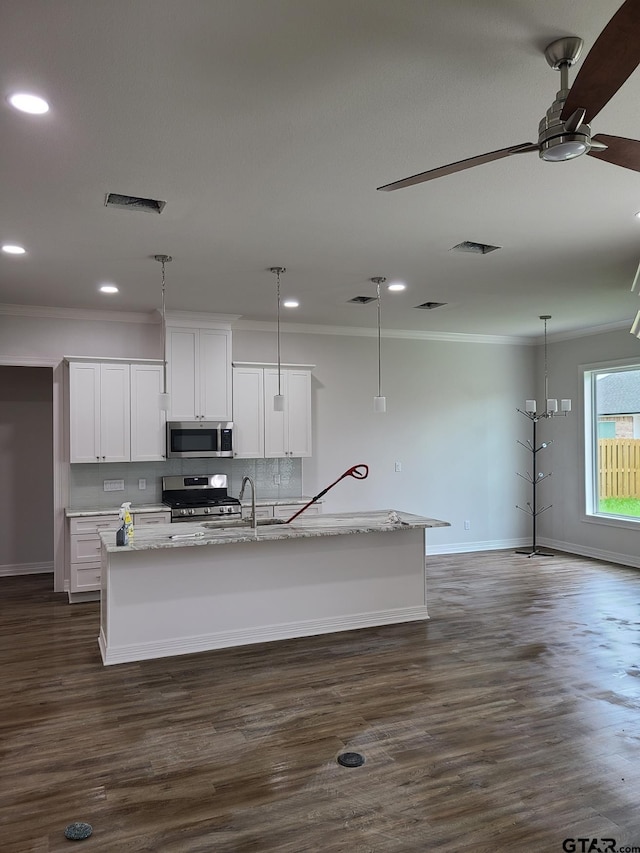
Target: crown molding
x=361, y=332
x=271, y=365
x=28, y=361
x=570, y=335
x=48, y=312
x=196, y=319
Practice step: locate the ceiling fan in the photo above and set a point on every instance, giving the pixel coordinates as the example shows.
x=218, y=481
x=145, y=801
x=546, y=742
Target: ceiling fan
x=564, y=132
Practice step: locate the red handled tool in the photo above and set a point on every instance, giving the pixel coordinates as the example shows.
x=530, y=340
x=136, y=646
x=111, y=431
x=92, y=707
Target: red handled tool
x=358, y=472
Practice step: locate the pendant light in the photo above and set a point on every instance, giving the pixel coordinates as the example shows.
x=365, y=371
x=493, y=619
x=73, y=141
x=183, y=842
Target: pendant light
x=164, y=395
x=278, y=399
x=379, y=402
x=550, y=403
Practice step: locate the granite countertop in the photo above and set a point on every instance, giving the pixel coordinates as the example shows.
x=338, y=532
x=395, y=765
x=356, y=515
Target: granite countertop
x=114, y=510
x=87, y=512
x=215, y=533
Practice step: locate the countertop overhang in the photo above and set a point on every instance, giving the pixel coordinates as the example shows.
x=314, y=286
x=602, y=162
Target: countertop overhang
x=338, y=524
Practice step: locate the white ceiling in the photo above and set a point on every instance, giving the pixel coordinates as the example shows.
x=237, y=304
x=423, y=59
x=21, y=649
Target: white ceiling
x=266, y=126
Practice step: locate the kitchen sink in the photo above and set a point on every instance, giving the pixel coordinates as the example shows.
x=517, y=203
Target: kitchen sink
x=240, y=522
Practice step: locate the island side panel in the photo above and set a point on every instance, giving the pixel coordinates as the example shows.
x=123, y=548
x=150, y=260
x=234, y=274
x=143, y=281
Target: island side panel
x=164, y=602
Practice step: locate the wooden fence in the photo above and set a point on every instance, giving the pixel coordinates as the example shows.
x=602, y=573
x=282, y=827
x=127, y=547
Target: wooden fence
x=619, y=467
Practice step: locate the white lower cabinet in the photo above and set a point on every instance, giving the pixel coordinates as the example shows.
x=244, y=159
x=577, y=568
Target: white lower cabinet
x=284, y=511
x=84, y=550
x=146, y=519
x=84, y=545
x=287, y=510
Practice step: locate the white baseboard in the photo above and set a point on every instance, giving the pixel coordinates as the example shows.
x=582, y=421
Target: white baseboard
x=79, y=597
x=470, y=547
x=595, y=553
x=263, y=634
x=556, y=544
x=13, y=569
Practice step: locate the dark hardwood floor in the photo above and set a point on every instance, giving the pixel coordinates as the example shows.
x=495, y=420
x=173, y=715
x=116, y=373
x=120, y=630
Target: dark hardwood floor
x=508, y=722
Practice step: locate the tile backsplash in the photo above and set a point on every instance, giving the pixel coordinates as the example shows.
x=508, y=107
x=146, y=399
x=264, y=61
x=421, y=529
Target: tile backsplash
x=86, y=481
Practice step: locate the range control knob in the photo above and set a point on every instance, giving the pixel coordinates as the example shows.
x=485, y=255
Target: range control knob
x=183, y=512
x=207, y=510
x=192, y=512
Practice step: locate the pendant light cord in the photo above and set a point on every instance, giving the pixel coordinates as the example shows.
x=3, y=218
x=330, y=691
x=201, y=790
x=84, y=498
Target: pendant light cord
x=379, y=342
x=546, y=370
x=164, y=336
x=278, y=331
x=163, y=259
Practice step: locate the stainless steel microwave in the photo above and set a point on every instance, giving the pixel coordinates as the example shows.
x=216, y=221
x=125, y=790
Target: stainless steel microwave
x=199, y=439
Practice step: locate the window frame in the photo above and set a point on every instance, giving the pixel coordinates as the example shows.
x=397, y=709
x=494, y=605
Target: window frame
x=590, y=511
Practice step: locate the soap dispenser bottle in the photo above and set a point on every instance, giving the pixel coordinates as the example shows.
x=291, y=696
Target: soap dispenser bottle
x=128, y=521
x=124, y=533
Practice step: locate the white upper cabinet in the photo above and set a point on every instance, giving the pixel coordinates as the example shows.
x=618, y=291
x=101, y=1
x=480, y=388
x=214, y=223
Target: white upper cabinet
x=258, y=430
x=114, y=411
x=288, y=433
x=99, y=414
x=248, y=412
x=147, y=418
x=199, y=373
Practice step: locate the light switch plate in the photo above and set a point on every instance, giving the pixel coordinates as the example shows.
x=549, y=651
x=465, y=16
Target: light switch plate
x=142, y=483
x=114, y=485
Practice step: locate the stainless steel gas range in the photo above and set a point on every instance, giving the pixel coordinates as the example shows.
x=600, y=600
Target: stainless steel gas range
x=194, y=498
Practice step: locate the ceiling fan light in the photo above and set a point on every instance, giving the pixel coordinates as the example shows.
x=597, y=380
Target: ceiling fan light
x=564, y=148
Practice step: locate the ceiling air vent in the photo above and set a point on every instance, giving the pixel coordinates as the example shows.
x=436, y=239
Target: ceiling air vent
x=474, y=248
x=362, y=300
x=132, y=202
x=429, y=306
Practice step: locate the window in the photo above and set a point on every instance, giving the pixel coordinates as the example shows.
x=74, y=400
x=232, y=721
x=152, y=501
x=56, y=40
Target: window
x=612, y=442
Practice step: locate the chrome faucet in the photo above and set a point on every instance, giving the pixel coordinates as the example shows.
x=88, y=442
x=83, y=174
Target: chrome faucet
x=246, y=480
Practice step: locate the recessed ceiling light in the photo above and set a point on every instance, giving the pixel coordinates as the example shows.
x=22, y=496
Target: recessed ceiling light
x=29, y=103
x=291, y=303
x=637, y=215
x=108, y=288
x=397, y=285
x=13, y=250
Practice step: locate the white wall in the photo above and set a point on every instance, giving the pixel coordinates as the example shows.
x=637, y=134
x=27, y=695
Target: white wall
x=37, y=335
x=26, y=470
x=563, y=525
x=53, y=337
x=451, y=422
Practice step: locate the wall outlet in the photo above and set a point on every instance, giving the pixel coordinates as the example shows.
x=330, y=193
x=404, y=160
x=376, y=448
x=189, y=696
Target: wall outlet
x=276, y=479
x=398, y=467
x=114, y=485
x=467, y=525
x=142, y=483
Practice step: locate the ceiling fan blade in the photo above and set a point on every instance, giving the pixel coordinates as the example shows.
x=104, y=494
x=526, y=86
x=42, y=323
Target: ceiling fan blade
x=619, y=151
x=459, y=166
x=613, y=57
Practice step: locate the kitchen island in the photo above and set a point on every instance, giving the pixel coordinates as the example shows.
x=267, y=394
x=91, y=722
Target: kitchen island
x=226, y=586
